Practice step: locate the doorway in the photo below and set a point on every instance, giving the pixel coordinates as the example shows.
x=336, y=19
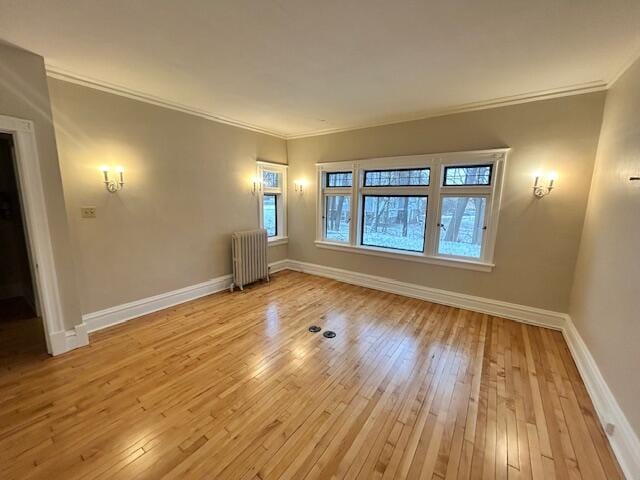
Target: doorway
x=21, y=330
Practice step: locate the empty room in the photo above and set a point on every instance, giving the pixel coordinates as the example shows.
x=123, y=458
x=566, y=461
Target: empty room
x=295, y=239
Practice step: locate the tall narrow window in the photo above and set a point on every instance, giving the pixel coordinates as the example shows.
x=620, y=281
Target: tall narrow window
x=338, y=217
x=270, y=214
x=337, y=206
x=272, y=190
x=465, y=198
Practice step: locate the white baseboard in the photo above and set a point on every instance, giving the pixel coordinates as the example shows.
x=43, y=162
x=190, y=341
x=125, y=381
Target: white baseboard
x=64, y=341
x=623, y=440
x=279, y=265
x=521, y=313
x=121, y=313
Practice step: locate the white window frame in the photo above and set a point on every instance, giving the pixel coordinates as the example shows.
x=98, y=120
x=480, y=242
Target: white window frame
x=281, y=201
x=435, y=192
x=335, y=191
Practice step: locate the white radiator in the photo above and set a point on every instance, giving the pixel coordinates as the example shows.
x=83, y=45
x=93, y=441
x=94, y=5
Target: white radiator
x=249, y=254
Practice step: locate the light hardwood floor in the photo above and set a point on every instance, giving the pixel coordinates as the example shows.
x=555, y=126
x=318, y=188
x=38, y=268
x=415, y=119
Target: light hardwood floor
x=233, y=386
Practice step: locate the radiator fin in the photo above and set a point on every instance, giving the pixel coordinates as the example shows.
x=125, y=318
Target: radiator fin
x=249, y=257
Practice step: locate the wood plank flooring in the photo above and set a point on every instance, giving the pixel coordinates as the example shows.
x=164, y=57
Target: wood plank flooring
x=233, y=386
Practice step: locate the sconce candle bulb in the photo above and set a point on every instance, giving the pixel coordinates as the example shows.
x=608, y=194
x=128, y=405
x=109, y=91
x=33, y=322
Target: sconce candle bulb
x=298, y=185
x=105, y=171
x=257, y=185
x=537, y=175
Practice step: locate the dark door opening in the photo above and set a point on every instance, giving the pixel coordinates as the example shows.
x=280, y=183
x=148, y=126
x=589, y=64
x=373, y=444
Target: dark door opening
x=20, y=328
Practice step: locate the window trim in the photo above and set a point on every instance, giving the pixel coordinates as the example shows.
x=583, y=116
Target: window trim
x=281, y=200
x=434, y=192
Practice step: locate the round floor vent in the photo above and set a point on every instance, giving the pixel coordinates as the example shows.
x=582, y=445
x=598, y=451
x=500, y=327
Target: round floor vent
x=314, y=328
x=329, y=334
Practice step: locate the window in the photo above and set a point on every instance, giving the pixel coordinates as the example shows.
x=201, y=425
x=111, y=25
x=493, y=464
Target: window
x=396, y=178
x=432, y=208
x=272, y=181
x=337, y=206
x=339, y=179
x=337, y=218
x=396, y=222
x=471, y=175
x=270, y=214
x=462, y=226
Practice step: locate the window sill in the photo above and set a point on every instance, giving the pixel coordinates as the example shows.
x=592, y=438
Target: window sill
x=409, y=256
x=274, y=241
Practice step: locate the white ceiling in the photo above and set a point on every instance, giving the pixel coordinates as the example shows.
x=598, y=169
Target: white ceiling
x=295, y=67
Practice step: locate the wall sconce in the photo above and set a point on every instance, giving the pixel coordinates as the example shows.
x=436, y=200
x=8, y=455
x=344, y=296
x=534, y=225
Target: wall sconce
x=257, y=185
x=112, y=185
x=298, y=185
x=541, y=190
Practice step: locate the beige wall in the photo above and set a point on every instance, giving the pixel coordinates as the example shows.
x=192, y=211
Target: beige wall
x=24, y=94
x=605, y=302
x=537, y=239
x=187, y=189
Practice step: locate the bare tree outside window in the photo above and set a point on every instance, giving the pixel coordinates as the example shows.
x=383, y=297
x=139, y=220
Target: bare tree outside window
x=337, y=218
x=474, y=175
x=339, y=179
x=270, y=179
x=397, y=178
x=394, y=222
x=462, y=226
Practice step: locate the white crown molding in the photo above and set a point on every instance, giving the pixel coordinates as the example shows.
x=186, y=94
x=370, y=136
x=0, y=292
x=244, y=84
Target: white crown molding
x=71, y=77
x=61, y=74
x=623, y=440
x=587, y=87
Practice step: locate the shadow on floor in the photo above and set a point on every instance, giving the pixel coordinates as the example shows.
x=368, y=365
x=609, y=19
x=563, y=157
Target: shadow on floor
x=21, y=334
